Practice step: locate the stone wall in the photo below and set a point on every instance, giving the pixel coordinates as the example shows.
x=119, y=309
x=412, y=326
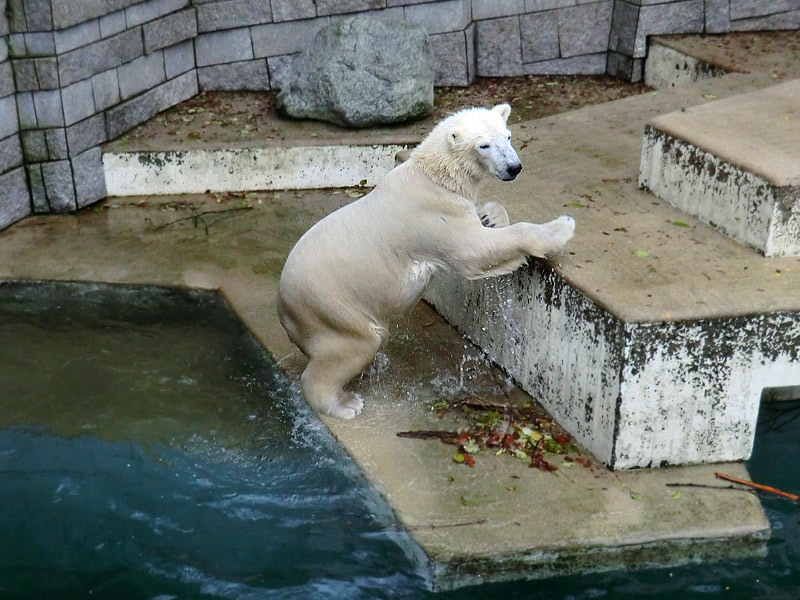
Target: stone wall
x=85, y=72
x=14, y=199
x=76, y=73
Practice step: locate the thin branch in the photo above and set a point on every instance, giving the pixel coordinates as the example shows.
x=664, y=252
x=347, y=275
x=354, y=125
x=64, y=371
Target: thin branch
x=758, y=486
x=424, y=434
x=461, y=524
x=198, y=218
x=711, y=487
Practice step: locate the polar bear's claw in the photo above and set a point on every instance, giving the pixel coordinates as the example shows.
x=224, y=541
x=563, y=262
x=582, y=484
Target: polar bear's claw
x=493, y=215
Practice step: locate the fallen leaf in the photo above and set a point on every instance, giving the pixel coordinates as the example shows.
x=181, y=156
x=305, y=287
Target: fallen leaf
x=471, y=447
x=641, y=253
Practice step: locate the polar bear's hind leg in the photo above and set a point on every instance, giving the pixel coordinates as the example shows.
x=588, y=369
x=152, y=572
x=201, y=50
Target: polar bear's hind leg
x=332, y=365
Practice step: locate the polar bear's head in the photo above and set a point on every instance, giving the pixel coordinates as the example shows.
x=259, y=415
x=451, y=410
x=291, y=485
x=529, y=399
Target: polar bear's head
x=467, y=147
x=481, y=135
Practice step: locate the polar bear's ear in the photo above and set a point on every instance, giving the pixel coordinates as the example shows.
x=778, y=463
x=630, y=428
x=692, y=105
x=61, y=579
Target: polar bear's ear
x=454, y=135
x=504, y=110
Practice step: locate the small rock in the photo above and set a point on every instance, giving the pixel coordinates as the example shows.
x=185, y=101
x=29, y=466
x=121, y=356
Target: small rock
x=360, y=72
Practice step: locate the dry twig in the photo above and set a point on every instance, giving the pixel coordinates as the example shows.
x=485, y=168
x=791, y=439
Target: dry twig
x=758, y=486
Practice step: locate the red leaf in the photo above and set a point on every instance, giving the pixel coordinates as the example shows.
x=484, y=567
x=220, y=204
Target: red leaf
x=469, y=460
x=538, y=462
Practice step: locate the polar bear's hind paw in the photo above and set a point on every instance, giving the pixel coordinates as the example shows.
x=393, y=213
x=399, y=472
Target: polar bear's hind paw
x=349, y=406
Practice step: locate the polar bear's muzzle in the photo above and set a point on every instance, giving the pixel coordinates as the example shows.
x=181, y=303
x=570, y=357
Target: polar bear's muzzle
x=506, y=164
x=512, y=171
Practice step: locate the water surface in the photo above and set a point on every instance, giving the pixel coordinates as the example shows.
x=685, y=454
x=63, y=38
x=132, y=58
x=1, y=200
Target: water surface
x=150, y=449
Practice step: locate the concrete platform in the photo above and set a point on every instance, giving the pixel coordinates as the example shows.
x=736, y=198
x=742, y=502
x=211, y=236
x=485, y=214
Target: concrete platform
x=734, y=164
x=500, y=520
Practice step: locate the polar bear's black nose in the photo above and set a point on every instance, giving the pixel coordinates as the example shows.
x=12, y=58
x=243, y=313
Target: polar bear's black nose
x=513, y=170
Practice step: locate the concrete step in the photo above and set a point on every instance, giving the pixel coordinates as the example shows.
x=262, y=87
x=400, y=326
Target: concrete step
x=234, y=142
x=651, y=339
x=734, y=164
x=675, y=60
x=246, y=169
x=654, y=336
x=669, y=64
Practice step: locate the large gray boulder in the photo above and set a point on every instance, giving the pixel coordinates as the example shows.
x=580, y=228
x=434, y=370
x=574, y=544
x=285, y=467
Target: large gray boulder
x=360, y=72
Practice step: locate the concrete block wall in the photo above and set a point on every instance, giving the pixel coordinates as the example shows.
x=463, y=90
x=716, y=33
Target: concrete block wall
x=85, y=72
x=14, y=198
x=251, y=44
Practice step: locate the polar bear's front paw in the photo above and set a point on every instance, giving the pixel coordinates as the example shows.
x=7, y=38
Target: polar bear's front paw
x=551, y=237
x=493, y=214
x=563, y=229
x=349, y=405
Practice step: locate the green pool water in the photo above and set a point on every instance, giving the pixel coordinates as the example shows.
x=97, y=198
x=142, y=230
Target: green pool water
x=150, y=449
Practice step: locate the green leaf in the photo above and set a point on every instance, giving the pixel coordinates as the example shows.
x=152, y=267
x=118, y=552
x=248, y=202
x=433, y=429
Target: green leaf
x=641, y=253
x=636, y=496
x=680, y=224
x=459, y=458
x=675, y=495
x=472, y=447
x=576, y=205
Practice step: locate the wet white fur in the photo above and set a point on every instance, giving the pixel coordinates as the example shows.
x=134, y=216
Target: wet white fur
x=360, y=267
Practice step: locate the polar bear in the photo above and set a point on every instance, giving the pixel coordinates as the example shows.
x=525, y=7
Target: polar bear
x=356, y=270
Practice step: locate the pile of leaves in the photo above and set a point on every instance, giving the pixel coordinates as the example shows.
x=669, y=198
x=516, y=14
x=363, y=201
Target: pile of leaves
x=522, y=432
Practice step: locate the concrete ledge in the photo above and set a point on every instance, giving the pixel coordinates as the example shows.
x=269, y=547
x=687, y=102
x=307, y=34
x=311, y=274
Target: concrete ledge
x=744, y=180
x=666, y=66
x=740, y=204
x=244, y=169
x=635, y=394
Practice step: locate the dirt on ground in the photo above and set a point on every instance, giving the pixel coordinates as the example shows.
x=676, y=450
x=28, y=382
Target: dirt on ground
x=534, y=96
x=231, y=117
